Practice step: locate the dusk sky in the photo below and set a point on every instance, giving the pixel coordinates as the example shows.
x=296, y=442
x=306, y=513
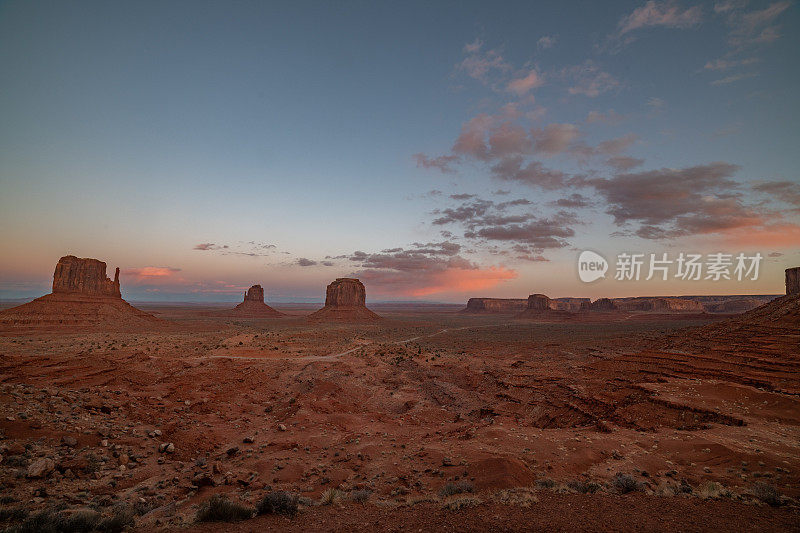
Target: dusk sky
x=435, y=150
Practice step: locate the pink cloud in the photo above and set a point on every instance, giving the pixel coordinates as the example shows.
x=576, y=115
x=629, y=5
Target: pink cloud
x=520, y=86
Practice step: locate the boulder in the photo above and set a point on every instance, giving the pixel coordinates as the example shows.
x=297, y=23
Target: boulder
x=84, y=276
x=41, y=468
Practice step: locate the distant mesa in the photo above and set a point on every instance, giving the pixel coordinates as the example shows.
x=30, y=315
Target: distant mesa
x=517, y=305
x=601, y=304
x=495, y=305
x=82, y=297
x=541, y=306
x=663, y=305
x=538, y=302
x=253, y=305
x=345, y=299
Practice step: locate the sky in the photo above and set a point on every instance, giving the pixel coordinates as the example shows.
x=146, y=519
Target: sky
x=435, y=150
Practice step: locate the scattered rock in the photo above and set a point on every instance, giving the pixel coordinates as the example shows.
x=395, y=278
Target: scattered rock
x=41, y=468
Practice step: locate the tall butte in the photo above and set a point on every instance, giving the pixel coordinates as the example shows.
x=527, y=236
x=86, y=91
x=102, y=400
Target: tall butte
x=83, y=296
x=253, y=305
x=345, y=299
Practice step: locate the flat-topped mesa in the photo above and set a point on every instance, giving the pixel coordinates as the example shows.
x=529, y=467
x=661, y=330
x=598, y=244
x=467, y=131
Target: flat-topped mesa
x=793, y=280
x=538, y=302
x=346, y=292
x=664, y=305
x=253, y=305
x=75, y=275
x=496, y=305
x=345, y=299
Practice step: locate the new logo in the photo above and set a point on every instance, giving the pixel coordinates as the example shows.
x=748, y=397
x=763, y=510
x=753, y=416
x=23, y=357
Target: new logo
x=591, y=266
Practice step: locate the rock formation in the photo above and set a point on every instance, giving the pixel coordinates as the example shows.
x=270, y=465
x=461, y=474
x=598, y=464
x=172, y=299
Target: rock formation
x=495, y=305
x=82, y=297
x=793, y=280
x=345, y=299
x=567, y=304
x=541, y=307
x=601, y=304
x=663, y=305
x=253, y=304
x=538, y=302
x=75, y=275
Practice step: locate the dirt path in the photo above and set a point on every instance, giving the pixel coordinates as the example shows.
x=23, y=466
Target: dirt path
x=333, y=356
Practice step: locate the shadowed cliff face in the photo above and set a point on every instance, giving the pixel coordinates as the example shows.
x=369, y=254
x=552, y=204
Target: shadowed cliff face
x=346, y=292
x=84, y=276
x=793, y=280
x=254, y=294
x=538, y=302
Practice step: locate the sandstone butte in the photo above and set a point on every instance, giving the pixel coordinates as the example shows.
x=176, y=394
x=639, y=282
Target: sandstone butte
x=345, y=299
x=83, y=297
x=540, y=306
x=253, y=304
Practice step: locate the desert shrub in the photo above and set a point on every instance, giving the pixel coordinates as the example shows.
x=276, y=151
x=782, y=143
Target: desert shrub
x=460, y=502
x=278, y=502
x=219, y=508
x=584, y=487
x=42, y=522
x=545, y=483
x=767, y=494
x=521, y=496
x=81, y=521
x=712, y=491
x=359, y=496
x=121, y=518
x=460, y=487
x=13, y=514
x=330, y=496
x=624, y=483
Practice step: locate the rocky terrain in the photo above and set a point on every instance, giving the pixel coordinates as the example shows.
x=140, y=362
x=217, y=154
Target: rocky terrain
x=427, y=419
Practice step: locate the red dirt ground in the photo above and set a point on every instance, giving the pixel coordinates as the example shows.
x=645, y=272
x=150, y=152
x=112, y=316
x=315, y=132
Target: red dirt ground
x=402, y=407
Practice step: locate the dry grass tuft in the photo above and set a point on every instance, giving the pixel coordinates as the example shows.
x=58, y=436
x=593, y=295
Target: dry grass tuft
x=520, y=496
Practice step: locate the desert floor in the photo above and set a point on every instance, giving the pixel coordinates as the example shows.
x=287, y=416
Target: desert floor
x=533, y=419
